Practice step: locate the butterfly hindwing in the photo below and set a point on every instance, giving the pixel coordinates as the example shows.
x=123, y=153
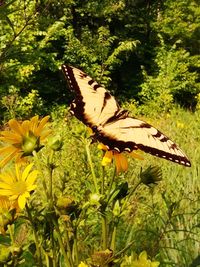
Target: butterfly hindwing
x=132, y=134
x=97, y=108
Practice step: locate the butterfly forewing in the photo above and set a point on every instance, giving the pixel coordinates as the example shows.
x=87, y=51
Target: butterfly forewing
x=93, y=104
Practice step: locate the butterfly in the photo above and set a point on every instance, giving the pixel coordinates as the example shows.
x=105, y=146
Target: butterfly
x=112, y=126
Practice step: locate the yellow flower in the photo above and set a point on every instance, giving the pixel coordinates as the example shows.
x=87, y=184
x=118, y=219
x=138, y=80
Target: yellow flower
x=22, y=139
x=82, y=264
x=143, y=261
x=180, y=124
x=120, y=160
x=18, y=185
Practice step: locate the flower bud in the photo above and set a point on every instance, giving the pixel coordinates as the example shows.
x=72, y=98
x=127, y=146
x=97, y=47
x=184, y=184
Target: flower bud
x=151, y=175
x=30, y=143
x=55, y=143
x=117, y=209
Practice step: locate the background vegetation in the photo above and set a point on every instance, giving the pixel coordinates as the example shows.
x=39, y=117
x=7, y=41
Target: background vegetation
x=147, y=54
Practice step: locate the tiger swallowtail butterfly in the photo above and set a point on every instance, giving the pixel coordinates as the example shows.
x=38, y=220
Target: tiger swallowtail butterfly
x=112, y=126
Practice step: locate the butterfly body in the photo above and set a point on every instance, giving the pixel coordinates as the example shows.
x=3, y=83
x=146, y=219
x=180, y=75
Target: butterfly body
x=98, y=109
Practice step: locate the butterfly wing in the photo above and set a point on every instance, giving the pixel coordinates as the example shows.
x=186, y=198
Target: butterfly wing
x=127, y=134
x=93, y=105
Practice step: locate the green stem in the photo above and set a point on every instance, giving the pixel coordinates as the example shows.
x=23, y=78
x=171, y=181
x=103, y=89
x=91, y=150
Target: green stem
x=104, y=232
x=113, y=240
x=131, y=193
x=75, y=250
x=92, y=168
x=11, y=235
x=112, y=181
x=60, y=241
x=38, y=251
x=41, y=171
x=10, y=229
x=68, y=245
x=103, y=180
x=50, y=169
x=105, y=225
x=54, y=259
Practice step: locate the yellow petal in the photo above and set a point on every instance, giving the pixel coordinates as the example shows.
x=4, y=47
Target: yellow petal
x=42, y=124
x=45, y=134
x=31, y=177
x=15, y=126
x=11, y=137
x=7, y=177
x=143, y=255
x=5, y=186
x=22, y=200
x=26, y=126
x=136, y=156
x=107, y=158
x=26, y=171
x=4, y=161
x=102, y=147
x=155, y=264
x=82, y=264
x=34, y=123
x=121, y=162
x=7, y=149
x=5, y=192
x=13, y=197
x=31, y=187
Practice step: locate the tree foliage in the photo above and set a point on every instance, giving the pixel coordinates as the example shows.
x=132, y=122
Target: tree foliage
x=139, y=49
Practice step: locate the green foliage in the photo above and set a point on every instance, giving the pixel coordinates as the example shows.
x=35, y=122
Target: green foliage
x=109, y=40
x=180, y=25
x=21, y=106
x=172, y=81
x=142, y=212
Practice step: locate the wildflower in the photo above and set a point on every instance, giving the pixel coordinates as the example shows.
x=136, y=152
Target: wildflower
x=22, y=138
x=120, y=160
x=82, y=264
x=140, y=261
x=143, y=261
x=17, y=186
x=180, y=124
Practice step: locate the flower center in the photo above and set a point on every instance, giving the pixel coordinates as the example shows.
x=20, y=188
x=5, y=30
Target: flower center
x=19, y=188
